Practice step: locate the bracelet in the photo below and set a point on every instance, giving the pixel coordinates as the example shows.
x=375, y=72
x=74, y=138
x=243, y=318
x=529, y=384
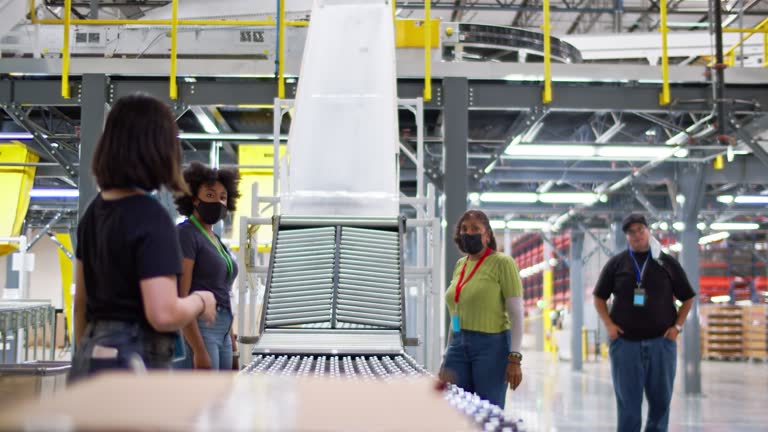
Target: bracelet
x=202, y=300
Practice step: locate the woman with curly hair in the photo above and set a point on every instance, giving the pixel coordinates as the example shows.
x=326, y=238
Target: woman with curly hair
x=486, y=305
x=207, y=264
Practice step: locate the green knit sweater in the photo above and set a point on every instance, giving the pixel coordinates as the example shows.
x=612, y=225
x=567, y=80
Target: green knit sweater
x=481, y=305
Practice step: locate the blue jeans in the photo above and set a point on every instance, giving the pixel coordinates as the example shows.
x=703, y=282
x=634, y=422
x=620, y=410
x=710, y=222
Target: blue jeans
x=648, y=365
x=217, y=340
x=125, y=340
x=478, y=362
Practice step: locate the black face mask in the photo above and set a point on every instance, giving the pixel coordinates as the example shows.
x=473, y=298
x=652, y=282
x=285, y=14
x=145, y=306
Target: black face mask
x=211, y=212
x=473, y=243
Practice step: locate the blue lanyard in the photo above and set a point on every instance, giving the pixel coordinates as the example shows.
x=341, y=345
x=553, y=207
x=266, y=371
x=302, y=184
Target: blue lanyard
x=638, y=270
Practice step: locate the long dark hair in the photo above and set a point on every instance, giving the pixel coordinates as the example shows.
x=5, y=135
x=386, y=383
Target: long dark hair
x=483, y=218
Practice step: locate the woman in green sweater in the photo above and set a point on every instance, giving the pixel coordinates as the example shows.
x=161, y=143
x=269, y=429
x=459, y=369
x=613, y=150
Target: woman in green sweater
x=485, y=302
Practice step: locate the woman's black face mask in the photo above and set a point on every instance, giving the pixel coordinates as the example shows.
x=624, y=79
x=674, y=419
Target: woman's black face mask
x=211, y=212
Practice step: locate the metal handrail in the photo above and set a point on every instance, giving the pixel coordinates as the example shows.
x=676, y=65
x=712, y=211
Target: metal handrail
x=174, y=24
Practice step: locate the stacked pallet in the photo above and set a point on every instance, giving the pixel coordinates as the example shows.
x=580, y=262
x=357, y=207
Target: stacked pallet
x=722, y=329
x=756, y=332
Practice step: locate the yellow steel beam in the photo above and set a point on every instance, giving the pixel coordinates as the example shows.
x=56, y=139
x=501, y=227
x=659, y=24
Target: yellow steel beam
x=546, y=96
x=281, y=53
x=174, y=91
x=665, y=96
x=743, y=30
x=756, y=29
x=394, y=9
x=32, y=12
x=65, y=50
x=765, y=50
x=427, y=51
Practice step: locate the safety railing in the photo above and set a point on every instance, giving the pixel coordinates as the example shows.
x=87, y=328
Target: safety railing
x=174, y=24
x=762, y=27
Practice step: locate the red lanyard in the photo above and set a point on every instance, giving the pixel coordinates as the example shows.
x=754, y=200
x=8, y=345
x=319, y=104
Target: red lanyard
x=460, y=285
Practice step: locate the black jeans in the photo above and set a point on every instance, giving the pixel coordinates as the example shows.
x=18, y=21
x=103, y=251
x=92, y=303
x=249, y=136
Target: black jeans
x=128, y=340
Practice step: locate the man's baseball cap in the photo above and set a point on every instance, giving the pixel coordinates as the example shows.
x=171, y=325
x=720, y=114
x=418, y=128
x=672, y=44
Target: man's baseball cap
x=633, y=218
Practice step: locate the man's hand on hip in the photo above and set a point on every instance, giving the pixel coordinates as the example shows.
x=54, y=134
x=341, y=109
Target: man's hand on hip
x=671, y=333
x=614, y=331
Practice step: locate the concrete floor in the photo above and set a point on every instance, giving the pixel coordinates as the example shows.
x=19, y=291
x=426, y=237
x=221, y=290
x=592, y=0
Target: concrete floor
x=554, y=398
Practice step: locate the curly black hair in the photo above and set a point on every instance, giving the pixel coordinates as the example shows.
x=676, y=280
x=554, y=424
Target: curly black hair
x=483, y=218
x=198, y=175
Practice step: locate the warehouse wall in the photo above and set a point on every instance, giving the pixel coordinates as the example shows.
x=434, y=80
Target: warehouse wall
x=45, y=281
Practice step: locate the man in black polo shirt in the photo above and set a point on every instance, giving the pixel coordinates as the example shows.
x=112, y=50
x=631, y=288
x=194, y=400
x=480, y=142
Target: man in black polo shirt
x=642, y=325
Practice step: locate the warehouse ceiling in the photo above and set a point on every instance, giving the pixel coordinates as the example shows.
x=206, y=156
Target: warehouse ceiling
x=492, y=131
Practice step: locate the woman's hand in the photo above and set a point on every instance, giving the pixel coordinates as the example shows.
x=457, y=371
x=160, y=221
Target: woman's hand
x=514, y=374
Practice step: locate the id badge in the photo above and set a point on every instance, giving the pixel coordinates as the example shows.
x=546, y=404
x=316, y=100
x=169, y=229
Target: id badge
x=455, y=324
x=639, y=297
x=179, y=350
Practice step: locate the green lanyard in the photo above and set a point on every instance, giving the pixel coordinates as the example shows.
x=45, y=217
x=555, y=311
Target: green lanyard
x=219, y=247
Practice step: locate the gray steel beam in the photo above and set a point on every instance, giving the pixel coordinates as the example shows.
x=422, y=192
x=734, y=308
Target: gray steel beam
x=617, y=235
x=45, y=229
x=16, y=113
x=564, y=259
x=577, y=298
x=455, y=184
x=583, y=229
x=640, y=197
x=36, y=92
x=56, y=241
x=93, y=114
x=690, y=187
x=606, y=97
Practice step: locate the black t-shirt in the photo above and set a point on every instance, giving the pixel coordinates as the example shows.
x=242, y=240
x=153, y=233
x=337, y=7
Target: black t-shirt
x=663, y=281
x=210, y=270
x=120, y=242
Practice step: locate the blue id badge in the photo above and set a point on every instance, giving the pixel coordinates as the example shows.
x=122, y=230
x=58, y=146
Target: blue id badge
x=455, y=324
x=639, y=297
x=179, y=350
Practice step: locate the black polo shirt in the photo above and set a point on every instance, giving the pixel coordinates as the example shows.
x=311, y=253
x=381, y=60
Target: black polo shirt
x=663, y=281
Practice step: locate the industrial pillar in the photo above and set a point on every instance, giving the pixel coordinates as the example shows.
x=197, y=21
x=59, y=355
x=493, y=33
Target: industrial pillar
x=618, y=239
x=94, y=110
x=576, y=269
x=455, y=184
x=691, y=188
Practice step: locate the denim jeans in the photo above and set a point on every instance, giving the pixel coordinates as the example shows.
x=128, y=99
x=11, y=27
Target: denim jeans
x=127, y=340
x=647, y=365
x=478, y=362
x=217, y=340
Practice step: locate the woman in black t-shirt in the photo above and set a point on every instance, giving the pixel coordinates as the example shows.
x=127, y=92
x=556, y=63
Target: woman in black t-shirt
x=207, y=265
x=128, y=260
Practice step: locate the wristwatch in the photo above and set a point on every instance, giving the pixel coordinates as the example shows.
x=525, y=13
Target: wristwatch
x=514, y=355
x=679, y=328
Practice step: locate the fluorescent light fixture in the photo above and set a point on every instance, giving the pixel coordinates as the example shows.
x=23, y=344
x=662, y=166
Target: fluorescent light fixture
x=511, y=197
x=490, y=166
x=15, y=136
x=725, y=199
x=640, y=152
x=751, y=199
x=546, y=186
x=734, y=226
x=498, y=224
x=663, y=226
x=680, y=199
x=716, y=237
x=527, y=225
x=678, y=226
x=568, y=198
x=603, y=198
x=551, y=150
x=474, y=196
x=701, y=226
x=681, y=153
x=54, y=193
x=721, y=299
x=676, y=247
